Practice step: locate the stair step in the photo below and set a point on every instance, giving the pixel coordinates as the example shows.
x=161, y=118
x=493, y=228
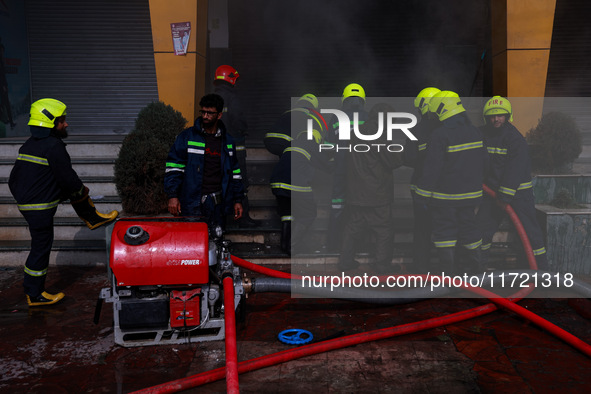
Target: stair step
x=105, y=204
x=103, y=146
x=98, y=186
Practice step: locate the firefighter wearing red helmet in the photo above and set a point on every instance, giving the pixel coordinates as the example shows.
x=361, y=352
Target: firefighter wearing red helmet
x=509, y=175
x=237, y=126
x=451, y=183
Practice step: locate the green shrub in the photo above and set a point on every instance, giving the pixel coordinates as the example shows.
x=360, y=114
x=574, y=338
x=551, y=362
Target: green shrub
x=140, y=166
x=555, y=143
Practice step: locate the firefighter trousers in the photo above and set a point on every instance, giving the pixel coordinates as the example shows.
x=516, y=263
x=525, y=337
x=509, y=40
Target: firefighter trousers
x=456, y=226
x=422, y=244
x=361, y=222
x=41, y=230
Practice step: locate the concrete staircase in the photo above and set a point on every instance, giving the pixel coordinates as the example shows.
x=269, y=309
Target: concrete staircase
x=93, y=158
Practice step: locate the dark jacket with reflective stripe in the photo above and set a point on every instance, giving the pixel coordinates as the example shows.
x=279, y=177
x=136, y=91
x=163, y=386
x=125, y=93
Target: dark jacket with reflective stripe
x=415, y=151
x=43, y=173
x=509, y=169
x=454, y=165
x=184, y=169
x=289, y=126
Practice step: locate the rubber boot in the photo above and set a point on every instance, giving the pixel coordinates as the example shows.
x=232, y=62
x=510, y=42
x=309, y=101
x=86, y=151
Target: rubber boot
x=246, y=221
x=85, y=209
x=446, y=260
x=286, y=236
x=44, y=299
x=474, y=261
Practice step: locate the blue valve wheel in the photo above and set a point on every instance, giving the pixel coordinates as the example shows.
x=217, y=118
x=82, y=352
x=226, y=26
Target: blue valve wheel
x=295, y=336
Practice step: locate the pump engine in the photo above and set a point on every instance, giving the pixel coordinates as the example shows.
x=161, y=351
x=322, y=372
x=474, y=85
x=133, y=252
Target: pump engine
x=166, y=281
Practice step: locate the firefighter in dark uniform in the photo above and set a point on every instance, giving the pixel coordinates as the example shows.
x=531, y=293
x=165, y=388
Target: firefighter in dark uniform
x=451, y=183
x=237, y=126
x=509, y=175
x=41, y=178
x=414, y=156
x=353, y=102
x=293, y=175
x=369, y=192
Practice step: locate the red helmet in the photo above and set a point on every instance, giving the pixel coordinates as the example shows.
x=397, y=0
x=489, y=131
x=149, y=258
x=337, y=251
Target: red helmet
x=226, y=73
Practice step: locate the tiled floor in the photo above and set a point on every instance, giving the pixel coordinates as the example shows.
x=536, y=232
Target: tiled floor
x=60, y=350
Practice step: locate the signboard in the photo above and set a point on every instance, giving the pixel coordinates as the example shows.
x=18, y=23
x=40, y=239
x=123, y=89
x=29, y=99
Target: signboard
x=180, y=37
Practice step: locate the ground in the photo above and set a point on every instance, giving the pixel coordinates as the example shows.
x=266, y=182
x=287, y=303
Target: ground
x=59, y=349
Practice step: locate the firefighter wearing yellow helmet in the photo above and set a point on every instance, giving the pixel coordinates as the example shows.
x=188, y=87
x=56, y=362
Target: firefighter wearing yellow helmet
x=292, y=176
x=451, y=183
x=509, y=175
x=41, y=178
x=353, y=102
x=414, y=156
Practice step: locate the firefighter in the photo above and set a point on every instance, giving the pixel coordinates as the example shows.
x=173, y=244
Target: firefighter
x=414, y=156
x=451, y=183
x=280, y=135
x=509, y=175
x=43, y=176
x=236, y=126
x=203, y=178
x=292, y=177
x=353, y=102
x=369, y=192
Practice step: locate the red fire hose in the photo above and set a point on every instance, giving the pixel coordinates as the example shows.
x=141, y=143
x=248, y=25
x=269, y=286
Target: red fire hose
x=337, y=343
x=232, y=385
x=519, y=228
x=320, y=347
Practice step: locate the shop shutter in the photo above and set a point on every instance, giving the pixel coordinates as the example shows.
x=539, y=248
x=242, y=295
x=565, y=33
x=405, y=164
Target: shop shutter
x=95, y=56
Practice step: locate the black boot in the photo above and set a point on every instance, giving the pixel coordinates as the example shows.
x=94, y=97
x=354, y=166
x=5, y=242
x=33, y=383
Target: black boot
x=286, y=236
x=474, y=261
x=246, y=221
x=446, y=260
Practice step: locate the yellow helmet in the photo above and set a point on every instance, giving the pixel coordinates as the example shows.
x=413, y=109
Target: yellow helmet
x=422, y=99
x=45, y=111
x=497, y=105
x=353, y=90
x=446, y=104
x=310, y=98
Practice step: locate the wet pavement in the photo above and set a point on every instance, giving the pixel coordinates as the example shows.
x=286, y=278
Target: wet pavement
x=59, y=349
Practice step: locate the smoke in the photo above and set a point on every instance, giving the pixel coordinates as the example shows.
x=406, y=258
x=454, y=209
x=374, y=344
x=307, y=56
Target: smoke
x=391, y=48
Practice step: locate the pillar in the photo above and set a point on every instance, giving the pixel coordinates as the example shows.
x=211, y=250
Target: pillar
x=521, y=38
x=181, y=79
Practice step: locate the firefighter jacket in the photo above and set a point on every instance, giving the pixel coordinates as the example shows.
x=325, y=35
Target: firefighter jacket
x=290, y=125
x=42, y=175
x=454, y=166
x=369, y=181
x=296, y=168
x=509, y=167
x=415, y=151
x=183, y=178
x=233, y=113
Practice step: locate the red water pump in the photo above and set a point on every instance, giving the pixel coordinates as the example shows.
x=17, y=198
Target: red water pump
x=166, y=281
